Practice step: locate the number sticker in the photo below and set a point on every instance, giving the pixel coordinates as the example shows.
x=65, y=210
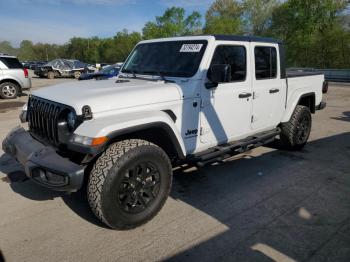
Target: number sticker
x=191, y=48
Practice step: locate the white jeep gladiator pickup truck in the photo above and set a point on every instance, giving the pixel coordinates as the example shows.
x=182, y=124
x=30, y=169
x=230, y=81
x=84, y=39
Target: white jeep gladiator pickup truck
x=197, y=99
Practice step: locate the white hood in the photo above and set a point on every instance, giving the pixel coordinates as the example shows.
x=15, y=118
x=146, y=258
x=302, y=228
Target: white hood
x=106, y=95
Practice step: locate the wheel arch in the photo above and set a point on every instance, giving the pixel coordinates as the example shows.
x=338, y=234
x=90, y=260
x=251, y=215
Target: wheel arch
x=306, y=99
x=11, y=80
x=158, y=133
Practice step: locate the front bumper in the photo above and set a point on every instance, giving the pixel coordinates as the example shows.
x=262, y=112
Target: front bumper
x=42, y=163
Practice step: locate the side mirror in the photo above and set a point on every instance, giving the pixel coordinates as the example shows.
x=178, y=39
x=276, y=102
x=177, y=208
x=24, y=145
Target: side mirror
x=219, y=73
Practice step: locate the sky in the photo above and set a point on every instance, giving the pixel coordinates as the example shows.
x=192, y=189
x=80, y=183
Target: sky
x=56, y=21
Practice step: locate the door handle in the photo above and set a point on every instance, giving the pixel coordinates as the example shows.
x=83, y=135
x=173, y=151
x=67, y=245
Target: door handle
x=273, y=91
x=245, y=95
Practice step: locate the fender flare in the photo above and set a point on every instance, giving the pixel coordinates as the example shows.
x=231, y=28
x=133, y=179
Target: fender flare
x=290, y=109
x=138, y=128
x=132, y=123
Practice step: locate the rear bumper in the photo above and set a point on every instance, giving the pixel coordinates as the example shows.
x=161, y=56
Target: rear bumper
x=42, y=163
x=321, y=106
x=27, y=84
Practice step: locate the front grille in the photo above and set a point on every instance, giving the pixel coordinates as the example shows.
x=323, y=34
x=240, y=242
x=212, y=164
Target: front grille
x=43, y=116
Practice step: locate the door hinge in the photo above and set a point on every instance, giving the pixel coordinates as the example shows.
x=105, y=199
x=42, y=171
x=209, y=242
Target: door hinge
x=204, y=131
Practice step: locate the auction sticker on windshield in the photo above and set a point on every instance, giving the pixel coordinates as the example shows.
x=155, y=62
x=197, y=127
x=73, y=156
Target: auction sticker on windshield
x=191, y=48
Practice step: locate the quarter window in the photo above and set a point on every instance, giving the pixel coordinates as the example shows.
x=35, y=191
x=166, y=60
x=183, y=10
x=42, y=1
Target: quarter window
x=235, y=56
x=265, y=63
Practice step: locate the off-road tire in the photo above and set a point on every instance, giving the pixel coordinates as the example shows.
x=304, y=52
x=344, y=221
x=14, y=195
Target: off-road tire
x=9, y=90
x=107, y=174
x=51, y=75
x=291, y=137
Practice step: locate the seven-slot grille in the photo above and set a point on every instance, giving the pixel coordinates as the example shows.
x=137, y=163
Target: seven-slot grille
x=43, y=116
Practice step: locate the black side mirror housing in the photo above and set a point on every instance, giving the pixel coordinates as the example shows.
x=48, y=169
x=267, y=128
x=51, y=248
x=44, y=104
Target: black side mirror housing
x=218, y=73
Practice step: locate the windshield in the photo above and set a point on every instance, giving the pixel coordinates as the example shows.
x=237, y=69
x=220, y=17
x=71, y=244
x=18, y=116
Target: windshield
x=172, y=58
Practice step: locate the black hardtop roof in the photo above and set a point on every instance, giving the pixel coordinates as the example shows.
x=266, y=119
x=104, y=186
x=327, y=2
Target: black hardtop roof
x=246, y=39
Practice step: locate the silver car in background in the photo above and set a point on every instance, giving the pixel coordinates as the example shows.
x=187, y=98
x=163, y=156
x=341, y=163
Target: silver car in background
x=13, y=77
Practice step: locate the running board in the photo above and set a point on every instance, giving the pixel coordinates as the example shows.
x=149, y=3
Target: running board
x=222, y=152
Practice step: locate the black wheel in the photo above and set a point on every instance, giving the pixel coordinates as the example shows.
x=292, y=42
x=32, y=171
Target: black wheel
x=9, y=90
x=50, y=75
x=296, y=132
x=129, y=183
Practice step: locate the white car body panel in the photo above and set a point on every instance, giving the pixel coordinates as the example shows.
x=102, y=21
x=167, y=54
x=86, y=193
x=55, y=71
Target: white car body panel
x=297, y=87
x=105, y=96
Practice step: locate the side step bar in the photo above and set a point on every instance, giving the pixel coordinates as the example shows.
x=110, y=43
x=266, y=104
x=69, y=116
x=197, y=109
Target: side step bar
x=222, y=152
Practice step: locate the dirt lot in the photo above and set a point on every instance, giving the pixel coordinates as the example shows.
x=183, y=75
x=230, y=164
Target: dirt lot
x=265, y=205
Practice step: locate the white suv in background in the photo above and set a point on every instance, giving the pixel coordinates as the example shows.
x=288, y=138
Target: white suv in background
x=13, y=77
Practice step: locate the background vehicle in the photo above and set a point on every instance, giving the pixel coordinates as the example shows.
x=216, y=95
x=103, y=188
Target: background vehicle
x=105, y=73
x=62, y=68
x=13, y=77
x=211, y=98
x=33, y=64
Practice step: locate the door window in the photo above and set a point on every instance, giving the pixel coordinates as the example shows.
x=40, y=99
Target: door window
x=265, y=62
x=236, y=57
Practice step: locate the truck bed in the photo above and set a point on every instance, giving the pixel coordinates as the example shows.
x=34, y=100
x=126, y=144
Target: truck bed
x=291, y=74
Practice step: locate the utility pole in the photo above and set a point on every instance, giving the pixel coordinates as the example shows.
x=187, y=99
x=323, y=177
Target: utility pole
x=47, y=55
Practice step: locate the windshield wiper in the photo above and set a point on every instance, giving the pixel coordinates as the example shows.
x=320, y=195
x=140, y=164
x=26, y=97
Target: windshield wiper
x=161, y=75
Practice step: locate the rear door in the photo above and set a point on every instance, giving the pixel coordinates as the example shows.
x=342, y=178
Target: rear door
x=269, y=89
x=226, y=109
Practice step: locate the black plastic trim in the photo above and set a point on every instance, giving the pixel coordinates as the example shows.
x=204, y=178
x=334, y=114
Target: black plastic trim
x=138, y=128
x=246, y=39
x=282, y=61
x=321, y=106
x=171, y=114
x=311, y=94
x=34, y=155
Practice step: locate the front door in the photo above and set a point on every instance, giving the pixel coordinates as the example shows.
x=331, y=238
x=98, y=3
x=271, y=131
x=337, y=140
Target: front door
x=227, y=109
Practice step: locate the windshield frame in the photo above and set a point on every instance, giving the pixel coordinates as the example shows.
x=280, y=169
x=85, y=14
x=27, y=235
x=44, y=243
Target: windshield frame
x=161, y=74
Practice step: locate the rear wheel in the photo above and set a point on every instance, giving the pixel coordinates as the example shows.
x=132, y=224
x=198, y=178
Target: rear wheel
x=50, y=75
x=9, y=90
x=77, y=74
x=129, y=183
x=296, y=132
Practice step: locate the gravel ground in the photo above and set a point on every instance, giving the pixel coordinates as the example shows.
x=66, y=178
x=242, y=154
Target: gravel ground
x=264, y=205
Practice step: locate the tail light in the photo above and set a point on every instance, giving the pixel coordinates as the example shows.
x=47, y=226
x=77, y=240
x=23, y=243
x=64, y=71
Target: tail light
x=25, y=72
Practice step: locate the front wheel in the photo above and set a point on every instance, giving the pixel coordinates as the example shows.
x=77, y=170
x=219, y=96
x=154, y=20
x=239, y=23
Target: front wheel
x=9, y=90
x=129, y=183
x=296, y=132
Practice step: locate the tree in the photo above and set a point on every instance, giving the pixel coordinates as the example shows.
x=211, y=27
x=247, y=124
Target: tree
x=124, y=42
x=224, y=17
x=173, y=23
x=307, y=28
x=6, y=48
x=257, y=15
x=26, y=51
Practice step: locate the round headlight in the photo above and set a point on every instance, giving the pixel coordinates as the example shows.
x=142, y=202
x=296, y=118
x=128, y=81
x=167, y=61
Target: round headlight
x=71, y=120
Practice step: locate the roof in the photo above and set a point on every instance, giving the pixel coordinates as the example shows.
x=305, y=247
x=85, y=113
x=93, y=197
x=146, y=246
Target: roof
x=247, y=39
x=218, y=38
